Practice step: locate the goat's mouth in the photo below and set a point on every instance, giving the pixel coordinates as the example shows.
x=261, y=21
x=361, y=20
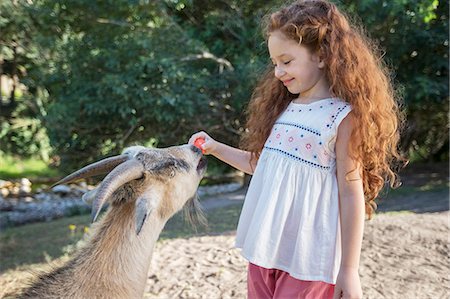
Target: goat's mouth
x=201, y=167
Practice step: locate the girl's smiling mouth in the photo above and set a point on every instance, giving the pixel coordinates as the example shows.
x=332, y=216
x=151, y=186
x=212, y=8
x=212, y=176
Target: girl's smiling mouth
x=286, y=82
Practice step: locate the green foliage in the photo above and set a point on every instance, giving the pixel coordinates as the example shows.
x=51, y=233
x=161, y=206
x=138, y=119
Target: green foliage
x=92, y=78
x=230, y=30
x=23, y=55
x=111, y=81
x=414, y=35
x=13, y=168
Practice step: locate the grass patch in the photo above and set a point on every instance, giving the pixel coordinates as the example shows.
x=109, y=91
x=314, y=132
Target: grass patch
x=436, y=186
x=39, y=242
x=14, y=168
x=46, y=241
x=219, y=220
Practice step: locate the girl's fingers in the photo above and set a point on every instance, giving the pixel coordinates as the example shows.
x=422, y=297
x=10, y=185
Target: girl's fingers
x=194, y=137
x=198, y=135
x=206, y=145
x=337, y=293
x=209, y=146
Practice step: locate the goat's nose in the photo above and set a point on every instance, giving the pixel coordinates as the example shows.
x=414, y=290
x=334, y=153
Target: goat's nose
x=196, y=149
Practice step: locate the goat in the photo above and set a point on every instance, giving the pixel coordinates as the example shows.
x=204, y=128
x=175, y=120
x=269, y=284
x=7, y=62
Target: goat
x=144, y=187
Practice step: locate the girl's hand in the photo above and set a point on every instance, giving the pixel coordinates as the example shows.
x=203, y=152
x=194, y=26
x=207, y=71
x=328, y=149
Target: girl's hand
x=348, y=284
x=210, y=145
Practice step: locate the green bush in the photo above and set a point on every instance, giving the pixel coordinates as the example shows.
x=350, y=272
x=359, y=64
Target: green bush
x=98, y=77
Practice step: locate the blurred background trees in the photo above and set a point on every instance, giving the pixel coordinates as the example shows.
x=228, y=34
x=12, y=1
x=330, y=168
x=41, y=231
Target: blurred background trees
x=83, y=79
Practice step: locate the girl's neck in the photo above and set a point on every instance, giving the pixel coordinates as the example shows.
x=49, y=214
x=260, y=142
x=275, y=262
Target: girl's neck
x=308, y=99
x=320, y=91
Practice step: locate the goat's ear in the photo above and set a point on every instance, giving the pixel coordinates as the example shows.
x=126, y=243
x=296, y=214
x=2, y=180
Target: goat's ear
x=143, y=209
x=89, y=196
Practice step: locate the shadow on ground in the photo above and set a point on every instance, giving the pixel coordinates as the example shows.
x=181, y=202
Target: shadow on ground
x=425, y=189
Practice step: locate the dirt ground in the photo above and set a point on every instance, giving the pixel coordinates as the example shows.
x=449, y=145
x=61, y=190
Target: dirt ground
x=404, y=255
x=405, y=252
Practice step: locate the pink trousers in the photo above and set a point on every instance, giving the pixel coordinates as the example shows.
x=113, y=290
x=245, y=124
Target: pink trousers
x=265, y=283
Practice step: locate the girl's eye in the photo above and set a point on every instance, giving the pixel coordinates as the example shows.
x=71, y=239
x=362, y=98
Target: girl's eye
x=284, y=63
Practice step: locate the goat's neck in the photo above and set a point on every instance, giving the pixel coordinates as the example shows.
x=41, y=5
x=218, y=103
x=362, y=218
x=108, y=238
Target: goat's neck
x=117, y=256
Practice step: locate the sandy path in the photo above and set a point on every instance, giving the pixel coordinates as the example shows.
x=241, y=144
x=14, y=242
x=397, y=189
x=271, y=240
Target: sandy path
x=404, y=255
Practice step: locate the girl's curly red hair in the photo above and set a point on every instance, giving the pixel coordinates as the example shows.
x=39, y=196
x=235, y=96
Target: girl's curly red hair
x=356, y=74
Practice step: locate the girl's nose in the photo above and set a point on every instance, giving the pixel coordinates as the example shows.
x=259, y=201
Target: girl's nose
x=279, y=72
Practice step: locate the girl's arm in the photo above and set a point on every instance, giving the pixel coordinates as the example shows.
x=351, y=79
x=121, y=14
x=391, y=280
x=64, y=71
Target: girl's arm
x=352, y=212
x=235, y=157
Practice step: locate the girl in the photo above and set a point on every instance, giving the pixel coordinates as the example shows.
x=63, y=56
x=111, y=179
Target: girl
x=322, y=134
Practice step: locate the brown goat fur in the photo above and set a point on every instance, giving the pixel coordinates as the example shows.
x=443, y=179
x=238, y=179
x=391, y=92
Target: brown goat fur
x=116, y=257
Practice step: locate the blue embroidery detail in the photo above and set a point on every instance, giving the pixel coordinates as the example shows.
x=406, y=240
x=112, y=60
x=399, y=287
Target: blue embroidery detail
x=312, y=164
x=337, y=113
x=300, y=127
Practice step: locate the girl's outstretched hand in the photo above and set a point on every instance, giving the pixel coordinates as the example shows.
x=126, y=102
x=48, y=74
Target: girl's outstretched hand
x=210, y=145
x=348, y=284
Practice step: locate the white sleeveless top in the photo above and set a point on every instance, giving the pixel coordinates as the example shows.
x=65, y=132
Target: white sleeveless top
x=290, y=217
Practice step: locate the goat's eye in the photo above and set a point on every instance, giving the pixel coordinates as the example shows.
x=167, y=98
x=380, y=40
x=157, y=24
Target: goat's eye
x=164, y=166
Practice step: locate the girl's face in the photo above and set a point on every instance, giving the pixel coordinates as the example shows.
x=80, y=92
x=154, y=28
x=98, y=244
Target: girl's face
x=300, y=70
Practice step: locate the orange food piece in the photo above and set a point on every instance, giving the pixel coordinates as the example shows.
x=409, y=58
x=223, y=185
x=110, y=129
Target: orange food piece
x=198, y=143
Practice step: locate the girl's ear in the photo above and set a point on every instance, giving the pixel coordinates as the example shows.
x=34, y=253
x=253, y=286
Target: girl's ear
x=321, y=64
x=318, y=57
x=321, y=59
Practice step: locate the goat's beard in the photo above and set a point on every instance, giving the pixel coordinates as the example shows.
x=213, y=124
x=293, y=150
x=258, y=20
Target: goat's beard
x=193, y=212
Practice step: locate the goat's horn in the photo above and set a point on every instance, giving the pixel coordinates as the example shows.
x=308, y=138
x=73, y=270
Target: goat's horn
x=100, y=167
x=124, y=173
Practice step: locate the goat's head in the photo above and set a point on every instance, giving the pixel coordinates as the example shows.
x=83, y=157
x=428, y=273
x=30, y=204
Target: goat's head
x=157, y=180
